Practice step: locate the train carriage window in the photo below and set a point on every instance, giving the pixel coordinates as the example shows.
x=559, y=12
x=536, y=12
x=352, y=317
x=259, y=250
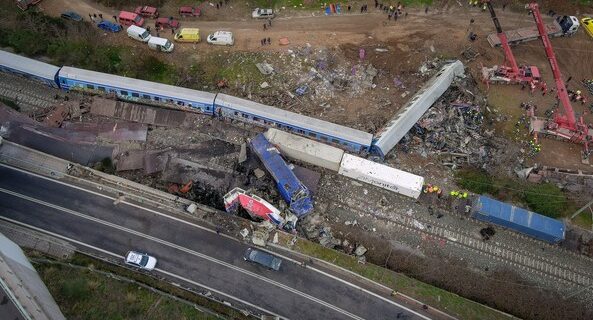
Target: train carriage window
x=324, y=138
x=135, y=95
x=181, y=103
x=335, y=141
x=255, y=119
x=90, y=86
x=102, y=89
x=145, y=96
x=170, y=100
x=63, y=81
x=301, y=131
x=157, y=99
x=236, y=113
x=123, y=93
x=312, y=134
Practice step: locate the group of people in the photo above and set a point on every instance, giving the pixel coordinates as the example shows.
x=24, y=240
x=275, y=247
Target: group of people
x=94, y=18
x=428, y=188
x=267, y=41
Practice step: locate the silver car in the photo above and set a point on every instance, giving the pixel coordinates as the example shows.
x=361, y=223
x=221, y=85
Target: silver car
x=263, y=258
x=140, y=260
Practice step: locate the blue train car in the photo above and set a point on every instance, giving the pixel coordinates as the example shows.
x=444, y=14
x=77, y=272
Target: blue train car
x=529, y=223
x=295, y=193
x=29, y=68
x=267, y=116
x=134, y=90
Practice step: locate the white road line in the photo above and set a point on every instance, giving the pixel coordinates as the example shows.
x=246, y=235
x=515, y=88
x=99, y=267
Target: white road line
x=189, y=251
x=209, y=230
x=122, y=257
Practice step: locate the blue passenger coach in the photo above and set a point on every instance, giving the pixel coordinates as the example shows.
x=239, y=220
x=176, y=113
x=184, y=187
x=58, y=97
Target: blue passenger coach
x=267, y=116
x=134, y=90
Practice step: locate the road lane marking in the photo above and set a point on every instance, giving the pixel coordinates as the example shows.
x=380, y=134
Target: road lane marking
x=212, y=231
x=189, y=251
x=157, y=269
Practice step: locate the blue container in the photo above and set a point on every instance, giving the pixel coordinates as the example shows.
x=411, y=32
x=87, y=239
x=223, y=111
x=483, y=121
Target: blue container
x=292, y=190
x=518, y=219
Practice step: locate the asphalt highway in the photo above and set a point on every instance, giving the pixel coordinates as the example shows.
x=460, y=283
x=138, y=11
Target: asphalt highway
x=186, y=252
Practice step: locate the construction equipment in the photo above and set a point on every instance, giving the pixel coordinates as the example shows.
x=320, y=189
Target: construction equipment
x=564, y=126
x=510, y=72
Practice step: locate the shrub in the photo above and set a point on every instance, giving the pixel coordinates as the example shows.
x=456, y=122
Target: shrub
x=546, y=199
x=75, y=289
x=476, y=181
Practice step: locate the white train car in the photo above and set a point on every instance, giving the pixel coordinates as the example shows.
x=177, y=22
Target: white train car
x=380, y=175
x=306, y=150
x=32, y=69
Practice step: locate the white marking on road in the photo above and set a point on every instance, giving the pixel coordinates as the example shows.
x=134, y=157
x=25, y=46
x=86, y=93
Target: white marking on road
x=210, y=230
x=189, y=251
x=157, y=269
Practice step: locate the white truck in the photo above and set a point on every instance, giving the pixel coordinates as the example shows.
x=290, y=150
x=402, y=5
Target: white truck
x=561, y=26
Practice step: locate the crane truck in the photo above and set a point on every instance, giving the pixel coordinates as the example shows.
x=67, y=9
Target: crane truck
x=510, y=72
x=564, y=126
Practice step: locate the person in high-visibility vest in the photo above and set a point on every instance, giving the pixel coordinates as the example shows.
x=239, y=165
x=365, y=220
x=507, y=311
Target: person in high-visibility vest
x=465, y=195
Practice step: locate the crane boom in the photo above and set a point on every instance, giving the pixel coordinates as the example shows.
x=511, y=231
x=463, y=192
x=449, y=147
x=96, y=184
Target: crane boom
x=508, y=54
x=568, y=120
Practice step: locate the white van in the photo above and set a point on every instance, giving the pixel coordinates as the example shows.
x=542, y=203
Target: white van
x=160, y=44
x=223, y=38
x=138, y=33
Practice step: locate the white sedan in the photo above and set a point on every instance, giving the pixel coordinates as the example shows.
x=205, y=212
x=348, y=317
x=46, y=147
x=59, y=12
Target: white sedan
x=140, y=260
x=262, y=13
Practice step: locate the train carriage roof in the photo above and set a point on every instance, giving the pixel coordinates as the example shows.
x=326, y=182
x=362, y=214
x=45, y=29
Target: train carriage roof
x=295, y=119
x=137, y=85
x=29, y=66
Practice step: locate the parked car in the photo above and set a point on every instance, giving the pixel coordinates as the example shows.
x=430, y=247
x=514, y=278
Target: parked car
x=588, y=25
x=263, y=258
x=138, y=33
x=140, y=260
x=187, y=35
x=129, y=18
x=147, y=12
x=71, y=15
x=262, y=13
x=188, y=11
x=109, y=26
x=160, y=44
x=223, y=38
x=167, y=23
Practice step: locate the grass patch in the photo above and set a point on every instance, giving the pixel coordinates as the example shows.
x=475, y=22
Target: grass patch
x=236, y=67
x=106, y=298
x=83, y=294
x=10, y=103
x=443, y=300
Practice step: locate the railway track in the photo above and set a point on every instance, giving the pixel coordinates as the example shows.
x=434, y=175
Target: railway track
x=23, y=92
x=514, y=256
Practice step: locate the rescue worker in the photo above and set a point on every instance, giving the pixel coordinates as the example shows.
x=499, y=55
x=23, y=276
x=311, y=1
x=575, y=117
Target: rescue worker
x=544, y=88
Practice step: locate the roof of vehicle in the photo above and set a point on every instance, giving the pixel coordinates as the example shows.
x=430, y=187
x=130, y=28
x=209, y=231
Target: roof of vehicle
x=70, y=12
x=159, y=41
x=142, y=86
x=29, y=66
x=189, y=30
x=295, y=119
x=263, y=258
x=136, y=28
x=147, y=9
x=134, y=257
x=222, y=34
x=127, y=15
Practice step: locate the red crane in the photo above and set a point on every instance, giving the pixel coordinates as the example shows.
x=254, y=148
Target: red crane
x=510, y=73
x=575, y=131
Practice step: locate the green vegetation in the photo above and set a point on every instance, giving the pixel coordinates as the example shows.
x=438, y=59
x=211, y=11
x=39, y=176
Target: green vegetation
x=85, y=294
x=10, y=103
x=105, y=165
x=547, y=199
x=76, y=44
x=116, y=295
x=443, y=300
